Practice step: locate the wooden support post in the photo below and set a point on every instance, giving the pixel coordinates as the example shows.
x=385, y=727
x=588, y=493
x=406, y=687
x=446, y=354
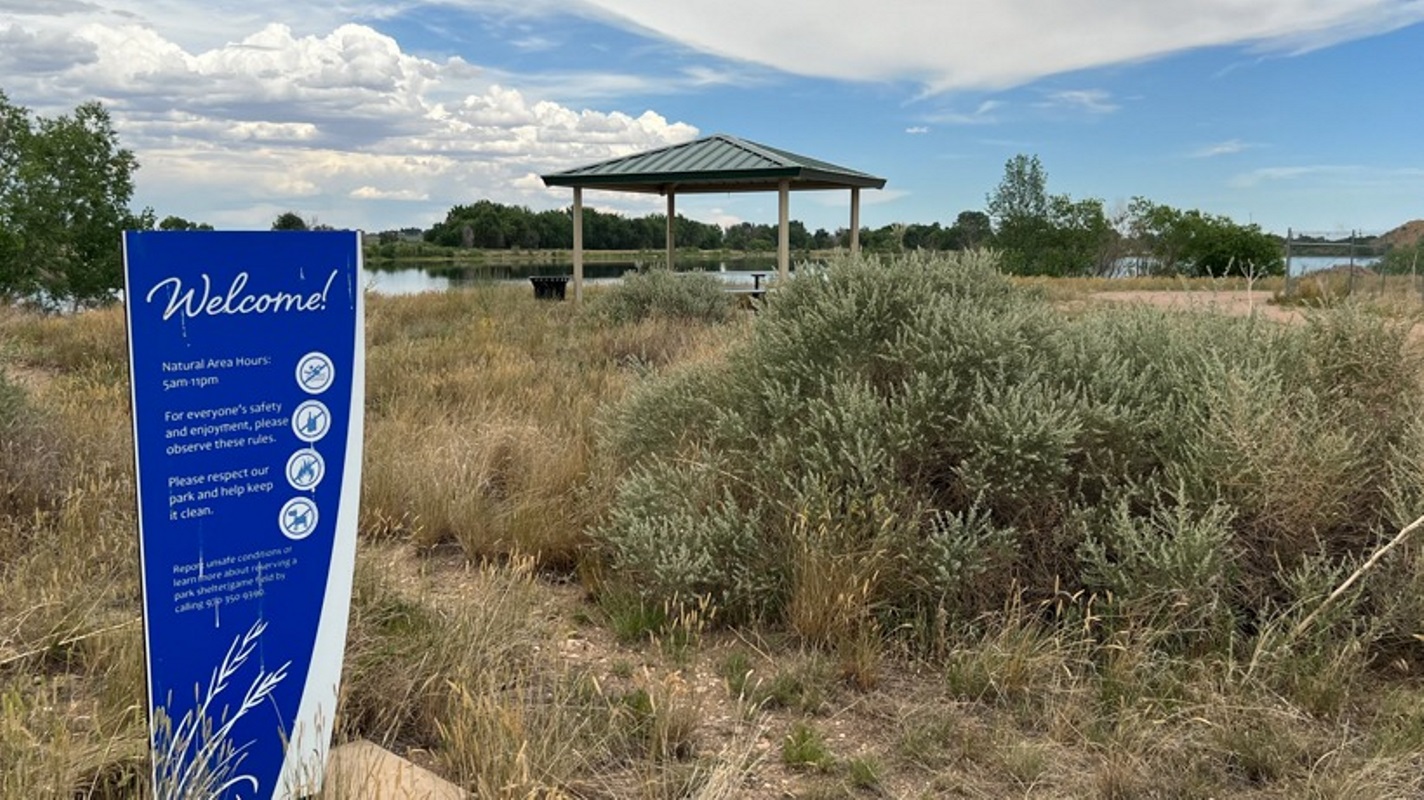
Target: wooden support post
x=578, y=244
x=855, y=219
x=671, y=227
x=1290, y=234
x=783, y=241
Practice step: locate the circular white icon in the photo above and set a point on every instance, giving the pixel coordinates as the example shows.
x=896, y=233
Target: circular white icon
x=311, y=421
x=298, y=518
x=305, y=469
x=315, y=372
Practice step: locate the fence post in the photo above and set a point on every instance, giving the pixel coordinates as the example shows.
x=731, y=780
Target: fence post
x=1290, y=233
x=1352, y=261
x=1413, y=269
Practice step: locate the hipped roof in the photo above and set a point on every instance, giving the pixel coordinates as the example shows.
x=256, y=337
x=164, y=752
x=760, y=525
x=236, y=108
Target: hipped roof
x=717, y=163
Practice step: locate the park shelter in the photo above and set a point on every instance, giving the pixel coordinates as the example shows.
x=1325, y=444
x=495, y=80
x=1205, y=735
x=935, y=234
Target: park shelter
x=712, y=165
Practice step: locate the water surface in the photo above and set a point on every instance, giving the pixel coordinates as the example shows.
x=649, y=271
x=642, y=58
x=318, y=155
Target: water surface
x=406, y=278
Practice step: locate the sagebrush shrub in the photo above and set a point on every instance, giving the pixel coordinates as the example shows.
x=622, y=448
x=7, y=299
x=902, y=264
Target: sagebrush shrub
x=1320, y=289
x=1169, y=572
x=945, y=443
x=685, y=535
x=663, y=293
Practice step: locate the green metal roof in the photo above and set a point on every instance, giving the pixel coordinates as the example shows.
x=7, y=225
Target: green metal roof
x=717, y=163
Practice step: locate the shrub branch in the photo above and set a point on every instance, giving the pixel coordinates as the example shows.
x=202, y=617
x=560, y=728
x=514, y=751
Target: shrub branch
x=1350, y=581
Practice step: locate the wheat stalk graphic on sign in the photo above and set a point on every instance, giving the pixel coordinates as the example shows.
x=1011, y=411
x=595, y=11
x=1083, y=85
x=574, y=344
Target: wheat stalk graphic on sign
x=198, y=759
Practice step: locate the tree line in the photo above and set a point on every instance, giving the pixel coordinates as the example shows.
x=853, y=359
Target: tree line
x=66, y=184
x=1050, y=234
x=495, y=226
x=1038, y=233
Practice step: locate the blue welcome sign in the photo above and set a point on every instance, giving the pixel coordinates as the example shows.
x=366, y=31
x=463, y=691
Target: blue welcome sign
x=247, y=358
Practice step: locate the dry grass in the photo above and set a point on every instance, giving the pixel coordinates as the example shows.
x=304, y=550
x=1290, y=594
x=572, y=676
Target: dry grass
x=478, y=435
x=1060, y=289
x=472, y=653
x=71, y=648
x=481, y=405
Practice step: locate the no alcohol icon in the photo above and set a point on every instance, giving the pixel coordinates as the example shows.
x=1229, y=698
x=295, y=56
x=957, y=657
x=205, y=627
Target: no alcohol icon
x=311, y=421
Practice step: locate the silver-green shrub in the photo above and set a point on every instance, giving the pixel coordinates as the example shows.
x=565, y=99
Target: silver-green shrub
x=685, y=534
x=966, y=443
x=1167, y=573
x=662, y=293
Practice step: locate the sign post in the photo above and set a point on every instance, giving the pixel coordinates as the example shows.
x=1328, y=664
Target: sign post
x=247, y=362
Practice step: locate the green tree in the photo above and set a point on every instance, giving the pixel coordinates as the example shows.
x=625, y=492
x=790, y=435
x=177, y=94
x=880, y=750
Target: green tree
x=750, y=236
x=1022, y=194
x=172, y=223
x=885, y=239
x=290, y=221
x=971, y=230
x=15, y=134
x=702, y=235
x=1403, y=259
x=65, y=186
x=1042, y=234
x=1170, y=241
x=556, y=228
x=1080, y=239
x=923, y=237
x=1018, y=207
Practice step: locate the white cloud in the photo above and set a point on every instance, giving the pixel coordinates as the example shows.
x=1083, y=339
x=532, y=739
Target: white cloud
x=1338, y=175
x=372, y=193
x=917, y=129
x=722, y=218
x=596, y=85
x=698, y=76
x=342, y=124
x=1256, y=177
x=1091, y=101
x=41, y=52
x=958, y=44
x=48, y=8
x=534, y=43
x=840, y=199
x=983, y=114
x=244, y=106
x=882, y=197
x=1226, y=148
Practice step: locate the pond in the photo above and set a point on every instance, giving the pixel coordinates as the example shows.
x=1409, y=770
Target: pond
x=407, y=278
x=394, y=278
x=1300, y=265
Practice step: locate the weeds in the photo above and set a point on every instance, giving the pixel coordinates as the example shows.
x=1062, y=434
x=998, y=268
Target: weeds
x=864, y=773
x=805, y=747
x=665, y=294
x=1004, y=549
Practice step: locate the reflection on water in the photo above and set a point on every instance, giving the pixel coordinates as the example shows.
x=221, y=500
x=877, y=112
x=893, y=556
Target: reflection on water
x=404, y=281
x=397, y=278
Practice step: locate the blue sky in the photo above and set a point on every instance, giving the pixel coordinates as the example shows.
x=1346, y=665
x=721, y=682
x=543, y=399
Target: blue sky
x=384, y=113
